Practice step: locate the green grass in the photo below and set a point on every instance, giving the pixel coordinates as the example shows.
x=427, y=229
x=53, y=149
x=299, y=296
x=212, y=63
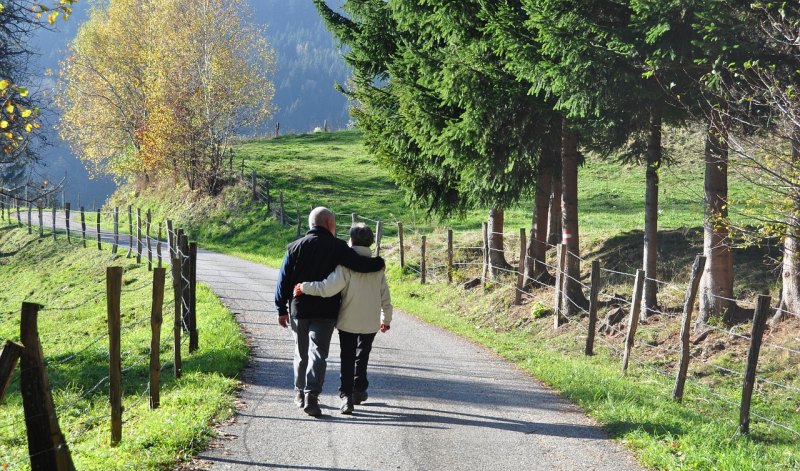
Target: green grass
x=637, y=408
x=75, y=344
x=335, y=169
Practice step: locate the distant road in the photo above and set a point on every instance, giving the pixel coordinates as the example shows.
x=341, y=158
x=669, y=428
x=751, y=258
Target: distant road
x=437, y=401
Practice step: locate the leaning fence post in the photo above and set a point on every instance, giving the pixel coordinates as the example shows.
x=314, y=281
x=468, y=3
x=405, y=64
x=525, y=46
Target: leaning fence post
x=633, y=320
x=19, y=214
x=193, y=340
x=449, y=255
x=138, y=235
x=594, y=292
x=113, y=297
x=423, y=267
x=99, y=234
x=147, y=222
x=66, y=214
x=8, y=361
x=83, y=226
x=759, y=322
x=54, y=222
x=688, y=306
x=558, y=300
x=29, y=218
x=520, y=268
x=130, y=232
x=156, y=319
x=255, y=186
x=186, y=277
x=170, y=240
x=41, y=221
x=269, y=202
x=485, y=270
x=378, y=237
x=115, y=246
x=46, y=444
x=402, y=247
x=177, y=288
x=158, y=246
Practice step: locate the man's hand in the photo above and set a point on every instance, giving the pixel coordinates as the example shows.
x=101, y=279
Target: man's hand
x=283, y=321
x=384, y=328
x=298, y=290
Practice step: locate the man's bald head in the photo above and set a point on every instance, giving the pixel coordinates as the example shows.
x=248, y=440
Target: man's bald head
x=322, y=217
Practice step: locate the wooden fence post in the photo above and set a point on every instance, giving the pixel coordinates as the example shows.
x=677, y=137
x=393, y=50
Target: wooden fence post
x=594, y=292
x=520, y=268
x=193, y=340
x=186, y=283
x=66, y=213
x=170, y=240
x=8, y=361
x=158, y=246
x=686, y=325
x=422, y=266
x=633, y=319
x=19, y=214
x=449, y=255
x=138, y=235
x=156, y=319
x=759, y=322
x=113, y=297
x=177, y=288
x=29, y=218
x=46, y=444
x=115, y=246
x=83, y=226
x=98, y=232
x=148, y=220
x=54, y=222
x=130, y=232
x=353, y=219
x=283, y=214
x=41, y=220
x=402, y=247
x=485, y=270
x=242, y=168
x=378, y=237
x=558, y=300
x=255, y=186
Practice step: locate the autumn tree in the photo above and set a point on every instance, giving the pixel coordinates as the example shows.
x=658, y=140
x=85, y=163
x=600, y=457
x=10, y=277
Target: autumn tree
x=143, y=95
x=19, y=107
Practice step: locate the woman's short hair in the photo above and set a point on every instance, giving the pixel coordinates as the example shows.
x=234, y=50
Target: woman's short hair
x=361, y=234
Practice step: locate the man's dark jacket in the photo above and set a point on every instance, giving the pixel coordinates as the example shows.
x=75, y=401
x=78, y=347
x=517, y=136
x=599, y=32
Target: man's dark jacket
x=313, y=258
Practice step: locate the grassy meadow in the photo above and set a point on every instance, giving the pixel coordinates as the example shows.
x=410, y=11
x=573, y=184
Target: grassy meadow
x=70, y=282
x=334, y=169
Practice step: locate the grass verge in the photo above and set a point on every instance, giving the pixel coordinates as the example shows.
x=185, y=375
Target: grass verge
x=70, y=283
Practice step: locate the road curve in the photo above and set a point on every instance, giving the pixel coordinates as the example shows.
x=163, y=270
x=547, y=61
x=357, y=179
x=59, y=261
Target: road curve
x=437, y=401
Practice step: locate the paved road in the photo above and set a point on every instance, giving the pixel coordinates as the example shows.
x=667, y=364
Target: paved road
x=437, y=402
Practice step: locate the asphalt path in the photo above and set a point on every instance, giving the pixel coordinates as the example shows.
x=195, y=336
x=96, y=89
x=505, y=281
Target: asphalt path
x=436, y=401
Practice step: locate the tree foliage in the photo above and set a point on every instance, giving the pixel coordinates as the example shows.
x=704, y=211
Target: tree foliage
x=141, y=96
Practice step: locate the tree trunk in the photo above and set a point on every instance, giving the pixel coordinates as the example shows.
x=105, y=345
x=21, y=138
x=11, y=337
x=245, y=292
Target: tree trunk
x=554, y=216
x=650, y=261
x=717, y=281
x=535, y=269
x=497, y=257
x=790, y=297
x=573, y=295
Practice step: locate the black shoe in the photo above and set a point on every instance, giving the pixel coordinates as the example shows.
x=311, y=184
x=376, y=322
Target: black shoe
x=347, y=405
x=312, y=406
x=299, y=399
x=359, y=397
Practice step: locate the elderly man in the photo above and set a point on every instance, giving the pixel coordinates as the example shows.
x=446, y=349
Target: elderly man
x=313, y=318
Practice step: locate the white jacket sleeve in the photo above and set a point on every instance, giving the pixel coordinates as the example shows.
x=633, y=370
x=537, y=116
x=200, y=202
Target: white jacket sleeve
x=386, y=301
x=330, y=286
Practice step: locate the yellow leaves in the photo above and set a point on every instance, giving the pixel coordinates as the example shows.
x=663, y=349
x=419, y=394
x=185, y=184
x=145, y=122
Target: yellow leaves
x=28, y=127
x=52, y=17
x=23, y=92
x=4, y=84
x=10, y=108
x=8, y=135
x=26, y=113
x=3, y=124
